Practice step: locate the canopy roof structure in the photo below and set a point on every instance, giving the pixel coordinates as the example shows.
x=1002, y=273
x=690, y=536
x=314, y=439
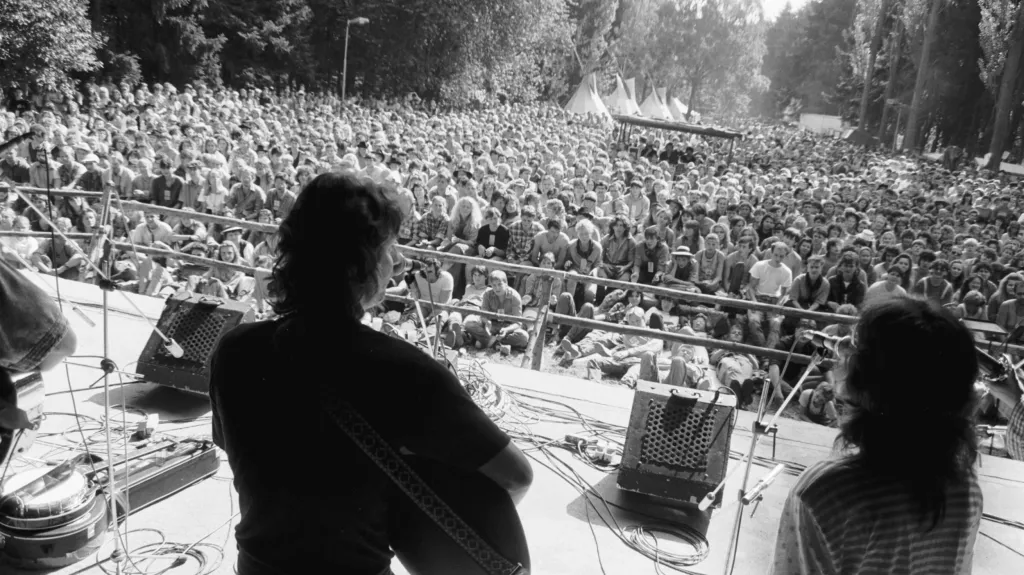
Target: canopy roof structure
x=586, y=99
x=673, y=126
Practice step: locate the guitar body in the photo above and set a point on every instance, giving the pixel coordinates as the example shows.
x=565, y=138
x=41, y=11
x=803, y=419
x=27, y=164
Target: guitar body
x=426, y=549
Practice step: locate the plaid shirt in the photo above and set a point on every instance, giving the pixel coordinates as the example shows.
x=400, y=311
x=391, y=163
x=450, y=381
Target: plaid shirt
x=432, y=227
x=1015, y=432
x=409, y=223
x=520, y=240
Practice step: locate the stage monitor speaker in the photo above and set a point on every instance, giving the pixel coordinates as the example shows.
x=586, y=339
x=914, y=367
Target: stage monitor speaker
x=677, y=443
x=196, y=323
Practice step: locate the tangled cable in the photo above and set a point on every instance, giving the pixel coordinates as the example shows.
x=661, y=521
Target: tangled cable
x=645, y=540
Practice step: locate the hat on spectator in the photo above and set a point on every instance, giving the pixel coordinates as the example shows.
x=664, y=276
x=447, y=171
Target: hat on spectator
x=232, y=229
x=90, y=158
x=682, y=251
x=590, y=196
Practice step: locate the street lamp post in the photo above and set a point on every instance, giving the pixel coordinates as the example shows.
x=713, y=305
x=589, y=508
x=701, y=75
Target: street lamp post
x=359, y=21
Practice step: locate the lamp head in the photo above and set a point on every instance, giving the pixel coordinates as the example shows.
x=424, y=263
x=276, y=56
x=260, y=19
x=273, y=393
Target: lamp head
x=359, y=21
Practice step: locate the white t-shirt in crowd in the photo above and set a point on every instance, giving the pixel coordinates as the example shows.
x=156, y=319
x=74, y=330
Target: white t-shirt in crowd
x=771, y=280
x=433, y=290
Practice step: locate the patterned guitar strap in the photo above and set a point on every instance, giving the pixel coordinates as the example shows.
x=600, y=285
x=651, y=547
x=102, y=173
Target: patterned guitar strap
x=382, y=454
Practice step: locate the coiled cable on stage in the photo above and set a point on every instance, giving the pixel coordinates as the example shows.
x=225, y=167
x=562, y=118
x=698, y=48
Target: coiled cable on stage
x=644, y=538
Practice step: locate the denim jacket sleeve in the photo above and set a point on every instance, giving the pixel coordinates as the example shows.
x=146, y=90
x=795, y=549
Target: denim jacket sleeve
x=31, y=323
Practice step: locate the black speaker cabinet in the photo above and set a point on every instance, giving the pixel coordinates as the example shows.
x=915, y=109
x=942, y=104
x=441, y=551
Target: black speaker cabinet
x=677, y=443
x=196, y=323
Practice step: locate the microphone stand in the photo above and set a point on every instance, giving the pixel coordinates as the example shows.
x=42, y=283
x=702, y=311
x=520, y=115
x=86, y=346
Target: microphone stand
x=106, y=286
x=758, y=430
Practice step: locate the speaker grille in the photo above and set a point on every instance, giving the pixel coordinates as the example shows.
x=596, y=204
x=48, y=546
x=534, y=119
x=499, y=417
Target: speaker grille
x=677, y=437
x=197, y=331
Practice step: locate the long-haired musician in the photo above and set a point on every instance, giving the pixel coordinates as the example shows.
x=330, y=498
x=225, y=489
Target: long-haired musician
x=311, y=501
x=904, y=496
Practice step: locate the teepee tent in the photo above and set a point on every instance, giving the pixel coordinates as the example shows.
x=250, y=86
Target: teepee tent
x=620, y=102
x=631, y=90
x=586, y=100
x=654, y=108
x=678, y=109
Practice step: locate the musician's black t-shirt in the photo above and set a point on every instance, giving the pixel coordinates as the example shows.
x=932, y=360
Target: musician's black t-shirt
x=311, y=501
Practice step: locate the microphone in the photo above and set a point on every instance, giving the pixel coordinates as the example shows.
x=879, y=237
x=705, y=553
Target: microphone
x=707, y=501
x=173, y=348
x=763, y=484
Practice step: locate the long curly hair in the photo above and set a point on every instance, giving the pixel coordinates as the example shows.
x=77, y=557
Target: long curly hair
x=342, y=223
x=910, y=382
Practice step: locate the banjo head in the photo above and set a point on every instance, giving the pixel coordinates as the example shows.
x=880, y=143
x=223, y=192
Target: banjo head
x=44, y=498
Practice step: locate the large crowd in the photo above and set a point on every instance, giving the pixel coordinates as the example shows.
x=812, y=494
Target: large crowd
x=783, y=217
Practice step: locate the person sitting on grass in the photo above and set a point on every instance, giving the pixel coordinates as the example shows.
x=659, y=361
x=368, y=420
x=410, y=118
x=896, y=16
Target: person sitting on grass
x=487, y=333
x=433, y=226
x=492, y=239
x=886, y=288
x=819, y=405
x=800, y=343
x=972, y=307
x=532, y=296
x=627, y=350
x=472, y=300
x=584, y=258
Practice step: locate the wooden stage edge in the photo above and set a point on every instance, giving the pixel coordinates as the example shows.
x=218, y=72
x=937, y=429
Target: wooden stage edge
x=555, y=515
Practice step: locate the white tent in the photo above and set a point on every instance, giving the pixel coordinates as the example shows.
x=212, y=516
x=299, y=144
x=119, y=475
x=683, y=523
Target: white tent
x=679, y=110
x=620, y=101
x=631, y=90
x=586, y=100
x=653, y=107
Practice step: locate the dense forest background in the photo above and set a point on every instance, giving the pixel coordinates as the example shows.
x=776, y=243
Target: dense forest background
x=937, y=72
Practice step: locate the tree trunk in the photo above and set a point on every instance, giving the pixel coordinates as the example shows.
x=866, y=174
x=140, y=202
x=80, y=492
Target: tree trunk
x=1007, y=90
x=923, y=65
x=890, y=84
x=876, y=45
x=694, y=86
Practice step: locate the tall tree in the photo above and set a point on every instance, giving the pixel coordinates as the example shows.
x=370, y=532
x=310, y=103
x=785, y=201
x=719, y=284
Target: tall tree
x=45, y=42
x=877, y=35
x=895, y=50
x=1009, y=92
x=931, y=32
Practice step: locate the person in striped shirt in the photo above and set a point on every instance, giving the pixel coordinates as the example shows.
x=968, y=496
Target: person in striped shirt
x=880, y=507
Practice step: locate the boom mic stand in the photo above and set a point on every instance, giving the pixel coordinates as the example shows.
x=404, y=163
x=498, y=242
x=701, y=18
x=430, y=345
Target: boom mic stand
x=758, y=431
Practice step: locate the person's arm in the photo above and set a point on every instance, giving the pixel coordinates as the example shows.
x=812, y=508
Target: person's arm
x=752, y=287
x=174, y=191
x=821, y=297
x=638, y=262
x=511, y=470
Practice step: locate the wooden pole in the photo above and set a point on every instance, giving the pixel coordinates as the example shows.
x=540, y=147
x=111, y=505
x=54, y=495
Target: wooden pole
x=465, y=311
x=208, y=218
x=560, y=319
x=537, y=338
x=688, y=297
x=157, y=252
x=61, y=192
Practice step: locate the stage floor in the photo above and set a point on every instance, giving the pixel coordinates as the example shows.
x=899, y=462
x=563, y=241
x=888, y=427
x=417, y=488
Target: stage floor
x=554, y=513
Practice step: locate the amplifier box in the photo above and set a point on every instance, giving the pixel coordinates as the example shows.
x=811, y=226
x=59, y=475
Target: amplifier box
x=196, y=323
x=677, y=443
